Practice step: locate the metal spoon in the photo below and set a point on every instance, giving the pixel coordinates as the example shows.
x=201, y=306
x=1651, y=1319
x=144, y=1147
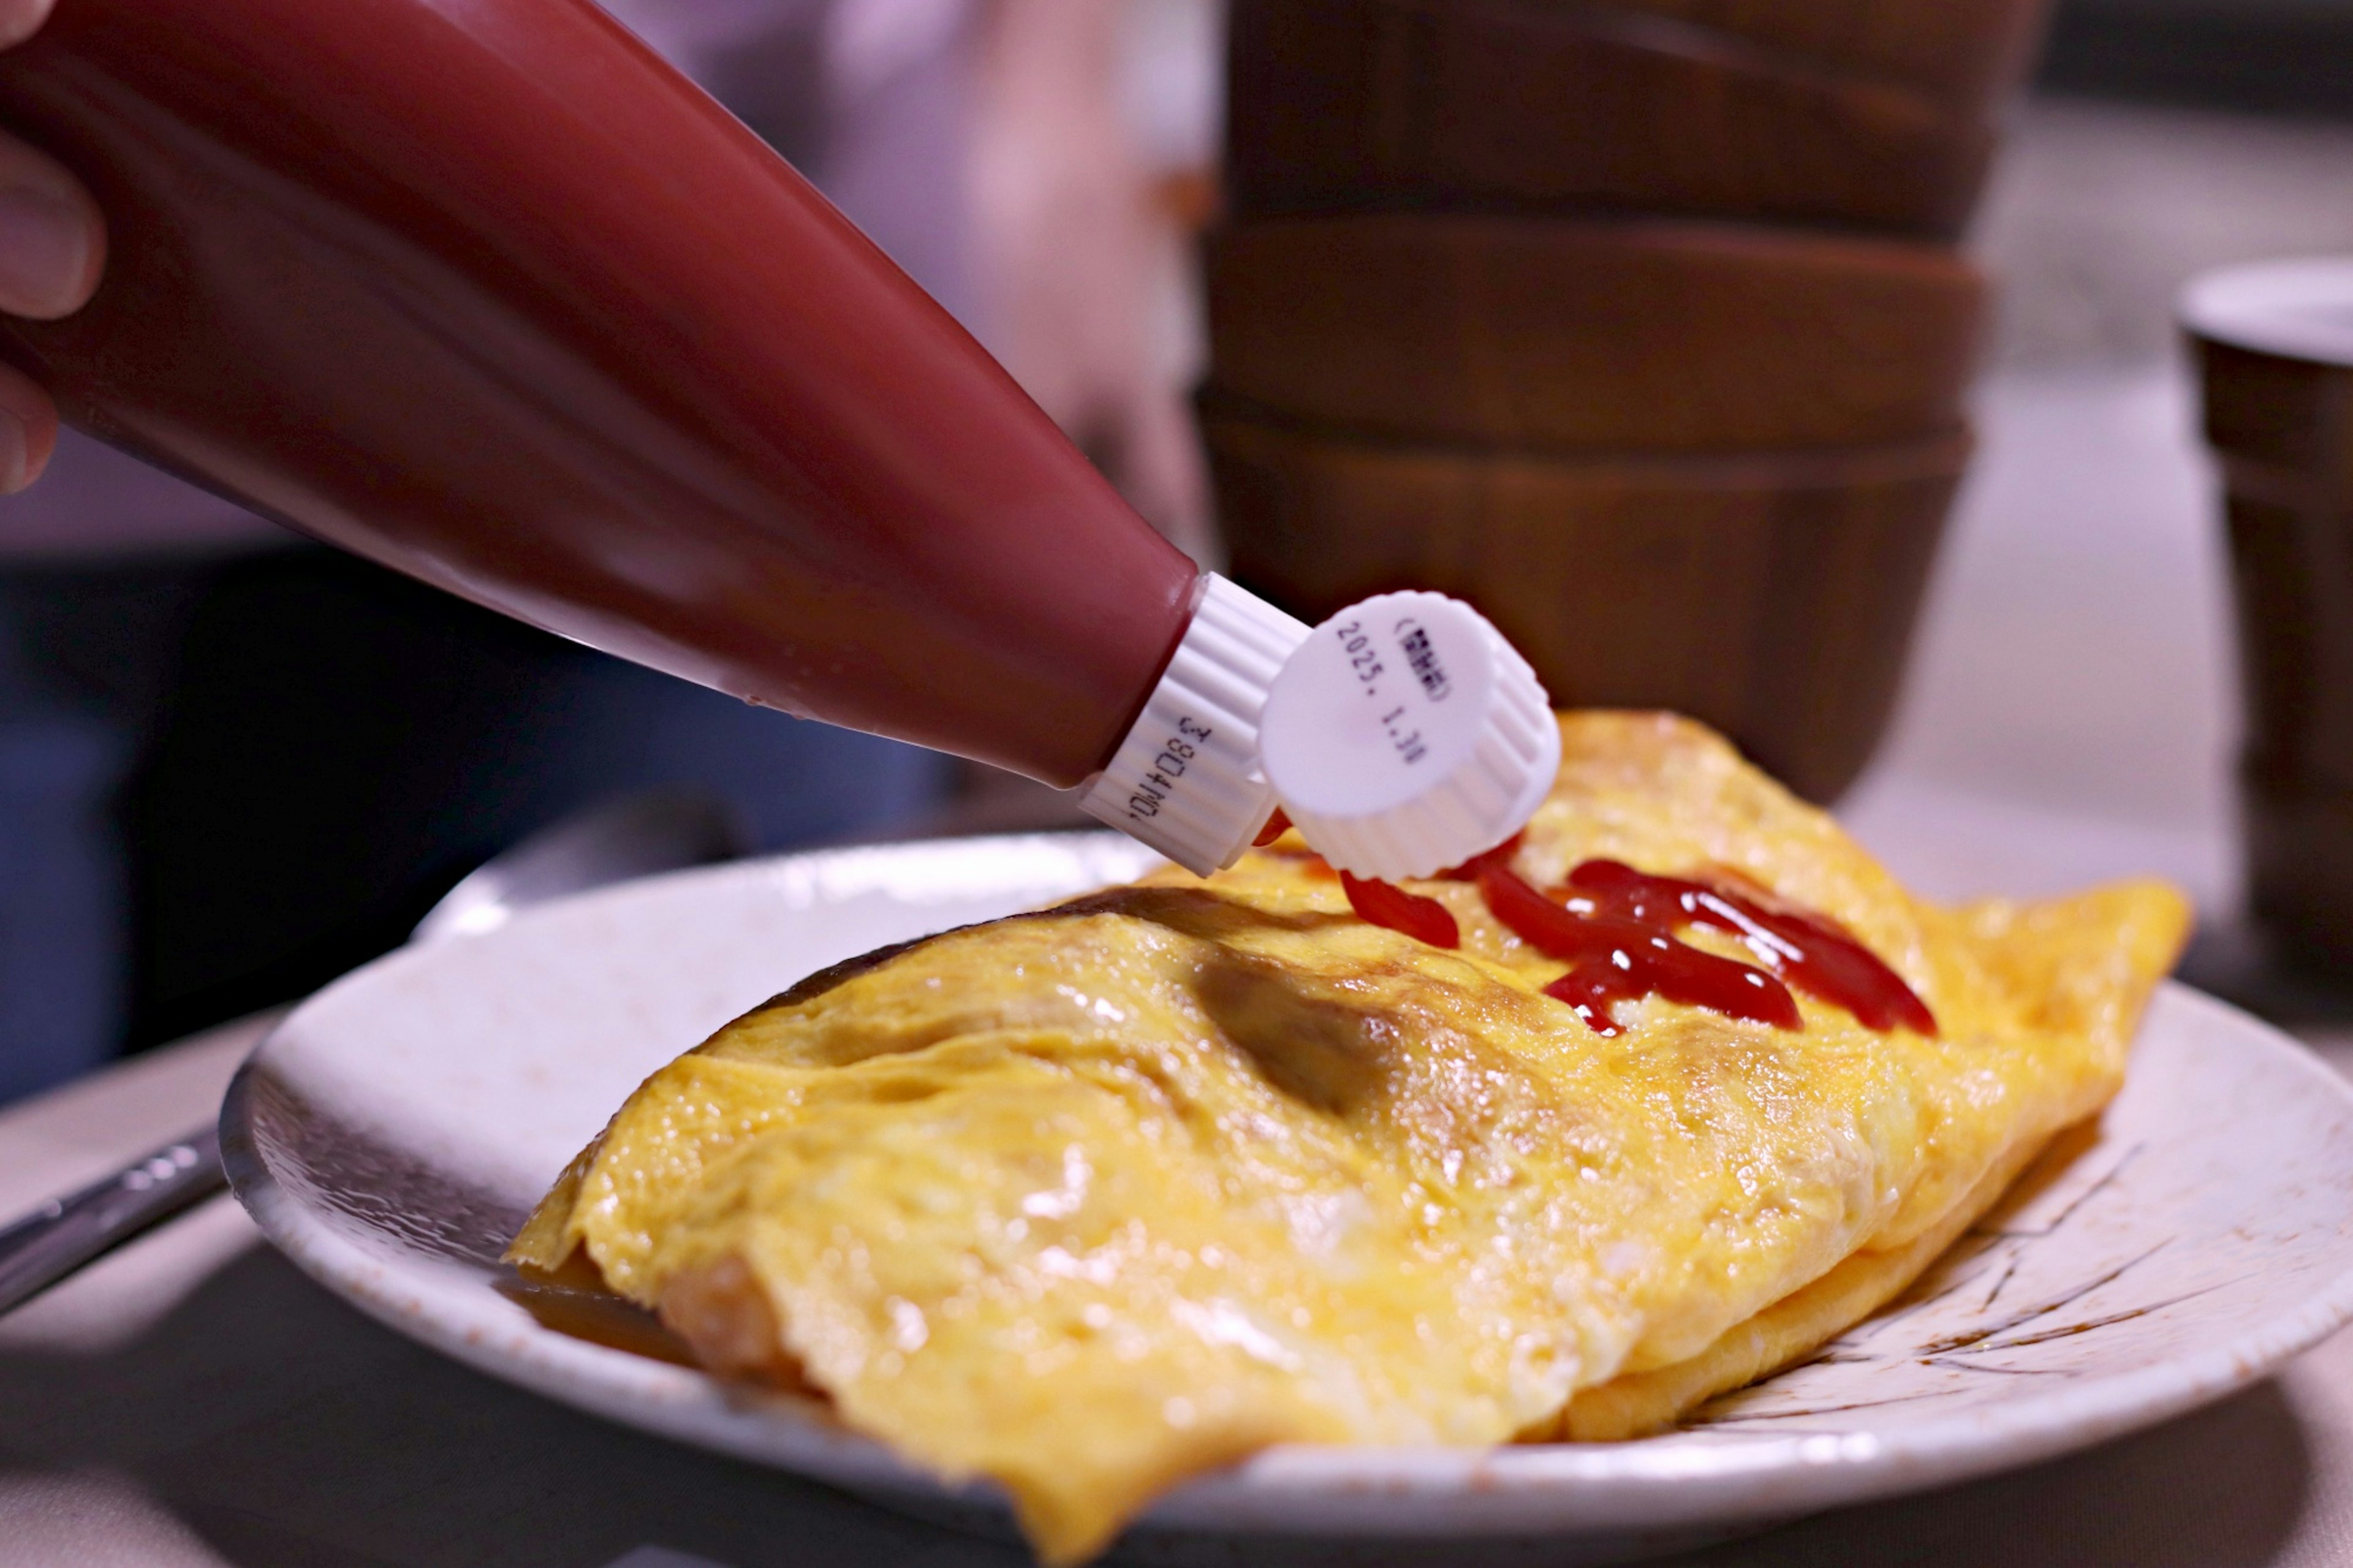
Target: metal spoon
x=633, y=835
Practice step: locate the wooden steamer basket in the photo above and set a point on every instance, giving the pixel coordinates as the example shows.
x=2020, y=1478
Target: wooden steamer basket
x=1955, y=50
x=1970, y=52
x=1631, y=320
x=1339, y=105
x=1771, y=595
x=1623, y=335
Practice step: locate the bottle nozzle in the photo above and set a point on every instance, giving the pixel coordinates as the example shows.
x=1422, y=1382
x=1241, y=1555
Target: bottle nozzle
x=1401, y=736
x=1405, y=735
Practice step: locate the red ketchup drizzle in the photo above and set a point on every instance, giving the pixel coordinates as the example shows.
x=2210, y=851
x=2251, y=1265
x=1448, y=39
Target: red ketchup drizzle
x=1500, y=856
x=1381, y=904
x=1615, y=928
x=1615, y=957
x=1808, y=951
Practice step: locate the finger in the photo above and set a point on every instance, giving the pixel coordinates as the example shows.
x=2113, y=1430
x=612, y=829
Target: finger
x=20, y=19
x=28, y=429
x=52, y=238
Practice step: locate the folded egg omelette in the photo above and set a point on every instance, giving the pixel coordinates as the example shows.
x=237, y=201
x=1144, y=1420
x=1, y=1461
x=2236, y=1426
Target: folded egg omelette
x=1092, y=1200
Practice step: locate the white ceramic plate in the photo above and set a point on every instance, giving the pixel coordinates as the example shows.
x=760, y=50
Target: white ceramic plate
x=394, y=1132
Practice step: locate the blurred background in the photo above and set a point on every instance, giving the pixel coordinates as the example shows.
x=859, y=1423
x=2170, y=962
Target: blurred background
x=234, y=764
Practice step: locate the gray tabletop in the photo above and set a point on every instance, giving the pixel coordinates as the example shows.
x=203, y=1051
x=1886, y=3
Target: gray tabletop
x=193, y=1400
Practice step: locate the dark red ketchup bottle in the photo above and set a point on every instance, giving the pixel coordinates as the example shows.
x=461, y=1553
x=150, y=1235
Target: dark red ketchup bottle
x=484, y=290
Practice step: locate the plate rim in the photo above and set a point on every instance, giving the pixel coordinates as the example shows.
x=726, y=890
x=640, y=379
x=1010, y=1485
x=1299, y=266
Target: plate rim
x=1296, y=1490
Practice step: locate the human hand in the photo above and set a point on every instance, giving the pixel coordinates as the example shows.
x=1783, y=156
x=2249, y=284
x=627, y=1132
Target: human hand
x=1081, y=272
x=52, y=250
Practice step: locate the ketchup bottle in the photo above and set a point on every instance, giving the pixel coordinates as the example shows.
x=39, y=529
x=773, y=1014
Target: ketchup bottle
x=485, y=291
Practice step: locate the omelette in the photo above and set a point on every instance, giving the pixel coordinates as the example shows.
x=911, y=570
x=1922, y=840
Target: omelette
x=1092, y=1200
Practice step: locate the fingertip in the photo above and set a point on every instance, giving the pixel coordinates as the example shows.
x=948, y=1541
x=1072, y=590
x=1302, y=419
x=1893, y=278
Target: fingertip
x=20, y=19
x=28, y=429
x=52, y=236
x=40, y=445
x=16, y=468
x=93, y=254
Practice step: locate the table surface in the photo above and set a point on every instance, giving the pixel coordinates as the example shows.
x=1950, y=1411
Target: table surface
x=192, y=1400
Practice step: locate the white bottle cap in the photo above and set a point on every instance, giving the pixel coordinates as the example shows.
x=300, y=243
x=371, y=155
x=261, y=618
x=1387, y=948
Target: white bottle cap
x=1401, y=736
x=1406, y=736
x=1187, y=780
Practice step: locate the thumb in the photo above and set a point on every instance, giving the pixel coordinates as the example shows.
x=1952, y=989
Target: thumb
x=20, y=19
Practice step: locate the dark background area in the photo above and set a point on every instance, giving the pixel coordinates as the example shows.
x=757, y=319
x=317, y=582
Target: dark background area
x=310, y=749
x=2268, y=56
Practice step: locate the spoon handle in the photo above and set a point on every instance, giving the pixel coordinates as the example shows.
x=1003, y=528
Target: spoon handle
x=68, y=1232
